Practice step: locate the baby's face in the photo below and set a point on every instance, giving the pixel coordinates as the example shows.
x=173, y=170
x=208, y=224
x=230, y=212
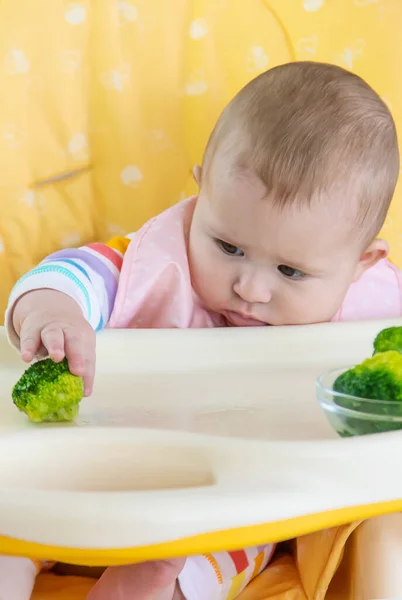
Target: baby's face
x=256, y=264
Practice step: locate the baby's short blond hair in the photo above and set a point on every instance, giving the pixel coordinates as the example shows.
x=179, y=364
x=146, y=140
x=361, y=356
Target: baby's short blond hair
x=312, y=131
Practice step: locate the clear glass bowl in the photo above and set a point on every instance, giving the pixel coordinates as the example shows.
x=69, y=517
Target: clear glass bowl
x=350, y=415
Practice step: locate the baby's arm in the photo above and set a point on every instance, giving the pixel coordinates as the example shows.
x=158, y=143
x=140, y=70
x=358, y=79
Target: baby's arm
x=55, y=308
x=89, y=275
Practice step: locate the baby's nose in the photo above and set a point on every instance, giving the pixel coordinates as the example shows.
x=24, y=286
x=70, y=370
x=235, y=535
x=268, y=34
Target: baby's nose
x=253, y=290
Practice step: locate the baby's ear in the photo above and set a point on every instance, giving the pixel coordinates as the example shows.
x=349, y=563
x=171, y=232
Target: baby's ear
x=377, y=250
x=197, y=174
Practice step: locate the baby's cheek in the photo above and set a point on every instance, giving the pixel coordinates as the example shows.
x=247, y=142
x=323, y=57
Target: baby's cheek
x=316, y=305
x=327, y=302
x=214, y=278
x=217, y=285
x=203, y=278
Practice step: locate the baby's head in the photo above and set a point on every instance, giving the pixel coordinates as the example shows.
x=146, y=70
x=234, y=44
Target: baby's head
x=295, y=186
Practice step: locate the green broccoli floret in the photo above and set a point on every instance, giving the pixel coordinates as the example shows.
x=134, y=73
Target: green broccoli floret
x=388, y=339
x=376, y=378
x=47, y=391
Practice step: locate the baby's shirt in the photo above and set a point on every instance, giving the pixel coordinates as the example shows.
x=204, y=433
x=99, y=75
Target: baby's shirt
x=143, y=281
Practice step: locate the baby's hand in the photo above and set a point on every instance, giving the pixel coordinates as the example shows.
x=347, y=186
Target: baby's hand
x=51, y=323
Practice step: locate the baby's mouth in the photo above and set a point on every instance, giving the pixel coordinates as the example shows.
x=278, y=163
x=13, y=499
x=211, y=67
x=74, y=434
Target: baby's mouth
x=241, y=320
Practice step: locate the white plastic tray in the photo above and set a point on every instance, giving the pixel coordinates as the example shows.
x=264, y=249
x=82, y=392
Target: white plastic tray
x=192, y=432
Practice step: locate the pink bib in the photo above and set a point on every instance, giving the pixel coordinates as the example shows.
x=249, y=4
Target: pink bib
x=155, y=286
x=376, y=295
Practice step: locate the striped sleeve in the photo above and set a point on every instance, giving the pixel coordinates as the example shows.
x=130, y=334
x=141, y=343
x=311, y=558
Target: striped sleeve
x=89, y=274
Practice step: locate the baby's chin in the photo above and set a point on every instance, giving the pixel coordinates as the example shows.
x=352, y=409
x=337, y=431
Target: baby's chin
x=299, y=321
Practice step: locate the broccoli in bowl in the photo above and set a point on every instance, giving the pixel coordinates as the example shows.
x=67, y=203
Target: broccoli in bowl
x=388, y=339
x=366, y=398
x=47, y=391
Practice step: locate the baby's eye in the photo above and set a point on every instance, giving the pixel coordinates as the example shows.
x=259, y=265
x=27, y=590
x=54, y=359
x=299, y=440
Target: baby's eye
x=230, y=249
x=290, y=272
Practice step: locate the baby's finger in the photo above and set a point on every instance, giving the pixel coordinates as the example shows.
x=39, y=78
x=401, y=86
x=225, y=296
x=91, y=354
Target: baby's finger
x=30, y=342
x=88, y=385
x=76, y=352
x=52, y=337
x=89, y=376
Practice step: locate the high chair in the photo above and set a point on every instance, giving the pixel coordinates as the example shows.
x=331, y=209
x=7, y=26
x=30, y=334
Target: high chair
x=105, y=108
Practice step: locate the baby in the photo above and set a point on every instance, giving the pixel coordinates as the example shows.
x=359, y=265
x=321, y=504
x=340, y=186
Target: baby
x=294, y=187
